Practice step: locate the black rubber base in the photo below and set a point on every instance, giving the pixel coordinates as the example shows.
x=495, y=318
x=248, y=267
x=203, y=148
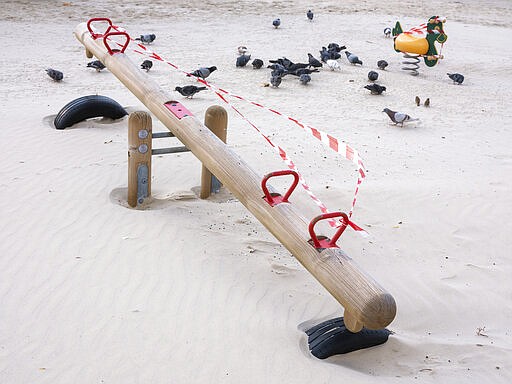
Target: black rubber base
x=332, y=338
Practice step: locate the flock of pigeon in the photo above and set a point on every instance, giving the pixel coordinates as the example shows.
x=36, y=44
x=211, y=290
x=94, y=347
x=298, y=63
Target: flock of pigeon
x=281, y=68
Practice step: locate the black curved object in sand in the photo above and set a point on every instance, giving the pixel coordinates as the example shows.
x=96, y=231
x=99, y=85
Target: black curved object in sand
x=332, y=338
x=86, y=107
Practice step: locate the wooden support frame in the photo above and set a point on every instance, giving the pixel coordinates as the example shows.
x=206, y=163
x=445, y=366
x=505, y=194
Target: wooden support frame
x=366, y=303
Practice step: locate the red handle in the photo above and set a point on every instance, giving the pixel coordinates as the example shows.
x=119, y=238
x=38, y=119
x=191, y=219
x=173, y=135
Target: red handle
x=96, y=35
x=274, y=199
x=108, y=35
x=326, y=243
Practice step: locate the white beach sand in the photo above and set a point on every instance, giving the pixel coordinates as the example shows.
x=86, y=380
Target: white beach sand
x=197, y=291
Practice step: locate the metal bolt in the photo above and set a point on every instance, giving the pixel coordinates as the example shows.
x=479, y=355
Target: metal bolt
x=143, y=148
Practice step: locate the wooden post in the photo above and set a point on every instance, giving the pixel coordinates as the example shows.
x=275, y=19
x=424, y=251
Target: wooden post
x=216, y=119
x=366, y=303
x=139, y=157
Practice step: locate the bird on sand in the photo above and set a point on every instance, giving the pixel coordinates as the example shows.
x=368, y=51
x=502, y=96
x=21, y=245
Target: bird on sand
x=333, y=65
x=275, y=80
x=353, y=59
x=146, y=64
x=242, y=49
x=387, y=32
x=189, y=90
x=96, y=64
x=54, y=74
x=313, y=62
x=303, y=71
x=304, y=78
x=242, y=60
x=203, y=72
x=398, y=117
x=146, y=39
x=276, y=23
x=277, y=70
x=427, y=102
x=382, y=64
x=375, y=89
x=310, y=15
x=373, y=76
x=417, y=100
x=456, y=77
x=257, y=63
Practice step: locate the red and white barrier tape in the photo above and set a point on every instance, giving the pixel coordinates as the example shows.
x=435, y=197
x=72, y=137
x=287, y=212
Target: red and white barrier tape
x=333, y=143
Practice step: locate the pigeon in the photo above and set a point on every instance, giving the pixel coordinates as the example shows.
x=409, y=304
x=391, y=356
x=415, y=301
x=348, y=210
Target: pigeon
x=54, y=74
x=333, y=65
x=282, y=61
x=303, y=71
x=276, y=23
x=96, y=64
x=189, y=90
x=372, y=75
x=275, y=80
x=242, y=49
x=375, y=89
x=417, y=101
x=336, y=47
x=304, y=78
x=387, y=32
x=203, y=72
x=242, y=60
x=146, y=64
x=353, y=59
x=314, y=62
x=278, y=70
x=257, y=63
x=329, y=54
x=146, y=39
x=382, y=64
x=427, y=102
x=309, y=14
x=398, y=117
x=456, y=77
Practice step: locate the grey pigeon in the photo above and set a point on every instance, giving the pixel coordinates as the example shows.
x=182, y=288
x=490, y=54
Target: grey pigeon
x=146, y=39
x=398, y=117
x=189, y=90
x=242, y=49
x=314, y=62
x=275, y=80
x=387, y=32
x=353, y=59
x=146, y=64
x=304, y=78
x=336, y=47
x=372, y=75
x=278, y=70
x=276, y=23
x=303, y=71
x=54, y=74
x=96, y=64
x=310, y=15
x=282, y=61
x=382, y=64
x=257, y=63
x=242, y=60
x=456, y=77
x=203, y=72
x=375, y=89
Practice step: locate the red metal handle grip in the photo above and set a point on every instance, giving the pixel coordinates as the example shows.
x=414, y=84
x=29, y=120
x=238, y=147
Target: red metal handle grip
x=326, y=243
x=108, y=35
x=274, y=199
x=96, y=35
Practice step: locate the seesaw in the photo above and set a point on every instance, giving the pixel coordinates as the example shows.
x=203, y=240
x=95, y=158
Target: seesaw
x=367, y=305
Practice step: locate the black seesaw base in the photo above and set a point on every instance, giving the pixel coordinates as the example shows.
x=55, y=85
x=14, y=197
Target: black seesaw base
x=332, y=338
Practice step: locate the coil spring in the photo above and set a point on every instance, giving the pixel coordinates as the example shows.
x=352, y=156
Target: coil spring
x=412, y=65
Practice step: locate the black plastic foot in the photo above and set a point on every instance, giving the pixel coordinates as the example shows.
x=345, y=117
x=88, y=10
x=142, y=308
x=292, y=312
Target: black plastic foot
x=332, y=338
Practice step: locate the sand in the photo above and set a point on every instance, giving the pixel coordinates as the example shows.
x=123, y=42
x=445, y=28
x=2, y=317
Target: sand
x=197, y=291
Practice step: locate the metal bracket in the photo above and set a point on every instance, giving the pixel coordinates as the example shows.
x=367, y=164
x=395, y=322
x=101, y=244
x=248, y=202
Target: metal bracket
x=142, y=182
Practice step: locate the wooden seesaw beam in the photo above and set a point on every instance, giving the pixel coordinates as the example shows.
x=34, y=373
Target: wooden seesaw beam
x=366, y=303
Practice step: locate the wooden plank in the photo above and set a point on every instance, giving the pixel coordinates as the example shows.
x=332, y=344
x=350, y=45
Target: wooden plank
x=366, y=303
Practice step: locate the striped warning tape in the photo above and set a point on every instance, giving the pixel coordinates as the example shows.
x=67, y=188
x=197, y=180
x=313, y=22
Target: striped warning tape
x=338, y=146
